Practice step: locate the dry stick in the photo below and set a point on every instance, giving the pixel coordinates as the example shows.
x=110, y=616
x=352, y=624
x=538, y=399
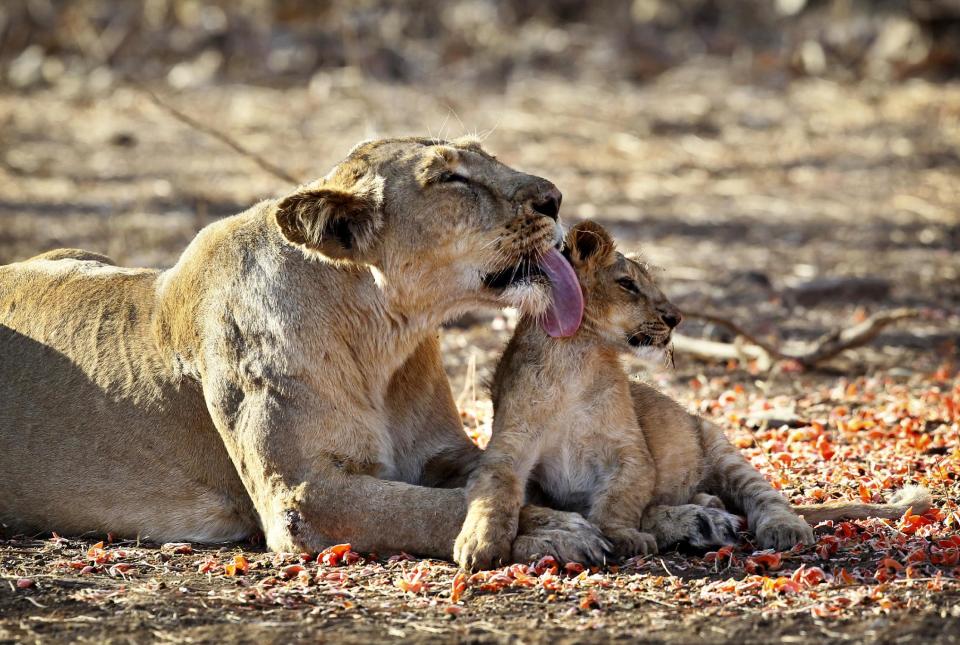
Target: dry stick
x=274, y=170
x=764, y=347
x=862, y=333
x=713, y=350
x=826, y=347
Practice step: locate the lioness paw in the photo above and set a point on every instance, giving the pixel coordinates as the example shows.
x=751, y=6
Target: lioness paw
x=783, y=532
x=628, y=542
x=568, y=537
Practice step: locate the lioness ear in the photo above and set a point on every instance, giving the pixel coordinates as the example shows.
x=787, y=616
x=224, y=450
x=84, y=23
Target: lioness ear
x=341, y=223
x=589, y=242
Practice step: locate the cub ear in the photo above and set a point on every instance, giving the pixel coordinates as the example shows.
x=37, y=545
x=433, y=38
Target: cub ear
x=590, y=243
x=340, y=223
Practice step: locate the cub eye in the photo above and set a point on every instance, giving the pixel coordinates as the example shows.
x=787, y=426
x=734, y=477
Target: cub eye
x=452, y=177
x=628, y=285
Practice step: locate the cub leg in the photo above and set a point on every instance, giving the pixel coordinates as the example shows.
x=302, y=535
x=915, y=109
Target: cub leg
x=495, y=494
x=741, y=486
x=618, y=508
x=541, y=531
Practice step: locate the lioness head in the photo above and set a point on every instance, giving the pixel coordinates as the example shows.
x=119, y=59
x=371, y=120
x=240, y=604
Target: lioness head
x=443, y=223
x=623, y=305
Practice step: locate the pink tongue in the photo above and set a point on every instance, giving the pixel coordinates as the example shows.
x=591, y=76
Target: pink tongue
x=566, y=311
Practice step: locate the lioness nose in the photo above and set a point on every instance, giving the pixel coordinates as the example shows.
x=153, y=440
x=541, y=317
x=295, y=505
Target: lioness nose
x=671, y=317
x=542, y=197
x=549, y=206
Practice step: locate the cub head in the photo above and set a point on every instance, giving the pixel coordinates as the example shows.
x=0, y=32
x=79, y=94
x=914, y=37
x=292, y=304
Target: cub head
x=623, y=305
x=443, y=223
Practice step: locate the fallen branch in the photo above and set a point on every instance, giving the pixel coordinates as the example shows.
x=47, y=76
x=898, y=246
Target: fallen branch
x=860, y=334
x=740, y=332
x=186, y=119
x=711, y=350
x=749, y=347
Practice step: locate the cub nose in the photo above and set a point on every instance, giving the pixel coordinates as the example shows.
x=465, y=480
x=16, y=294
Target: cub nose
x=671, y=317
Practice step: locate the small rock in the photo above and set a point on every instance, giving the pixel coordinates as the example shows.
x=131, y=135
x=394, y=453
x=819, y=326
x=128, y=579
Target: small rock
x=26, y=69
x=196, y=72
x=123, y=139
x=750, y=279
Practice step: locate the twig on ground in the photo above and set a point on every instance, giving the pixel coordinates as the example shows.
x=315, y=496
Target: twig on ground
x=188, y=120
x=664, y=565
x=749, y=347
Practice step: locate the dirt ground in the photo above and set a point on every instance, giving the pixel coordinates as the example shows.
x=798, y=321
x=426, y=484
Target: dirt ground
x=744, y=194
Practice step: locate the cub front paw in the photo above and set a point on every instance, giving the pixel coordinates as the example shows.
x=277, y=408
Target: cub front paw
x=783, y=532
x=628, y=542
x=484, y=542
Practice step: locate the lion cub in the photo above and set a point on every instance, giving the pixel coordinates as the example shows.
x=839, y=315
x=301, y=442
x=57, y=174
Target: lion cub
x=570, y=426
x=564, y=416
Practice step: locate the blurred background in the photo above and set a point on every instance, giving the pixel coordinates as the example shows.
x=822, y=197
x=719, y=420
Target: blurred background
x=289, y=42
x=793, y=163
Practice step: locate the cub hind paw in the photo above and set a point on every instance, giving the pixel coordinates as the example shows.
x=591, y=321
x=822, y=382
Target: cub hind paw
x=784, y=532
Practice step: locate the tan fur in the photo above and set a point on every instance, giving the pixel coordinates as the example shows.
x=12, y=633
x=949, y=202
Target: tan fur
x=563, y=415
x=283, y=375
x=560, y=412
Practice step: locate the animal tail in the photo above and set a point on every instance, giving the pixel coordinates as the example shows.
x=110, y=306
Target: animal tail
x=916, y=498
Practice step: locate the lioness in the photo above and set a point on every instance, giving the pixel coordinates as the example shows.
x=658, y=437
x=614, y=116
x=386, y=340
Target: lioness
x=285, y=373
x=648, y=473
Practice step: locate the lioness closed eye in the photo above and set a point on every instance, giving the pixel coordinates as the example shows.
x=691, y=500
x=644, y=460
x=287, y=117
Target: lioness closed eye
x=622, y=453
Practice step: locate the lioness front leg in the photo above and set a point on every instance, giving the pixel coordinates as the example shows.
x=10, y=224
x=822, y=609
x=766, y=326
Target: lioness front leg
x=311, y=473
x=618, y=509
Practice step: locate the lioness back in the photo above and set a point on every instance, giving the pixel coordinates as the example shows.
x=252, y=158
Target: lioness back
x=75, y=335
